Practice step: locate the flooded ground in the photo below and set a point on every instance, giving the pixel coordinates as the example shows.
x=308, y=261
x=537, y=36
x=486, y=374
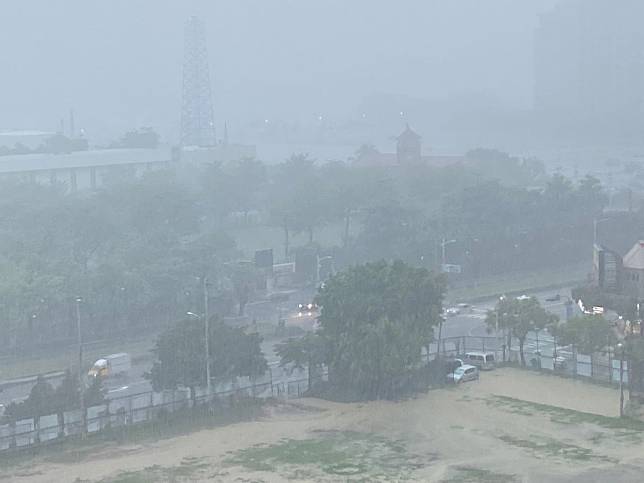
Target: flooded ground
x=503, y=428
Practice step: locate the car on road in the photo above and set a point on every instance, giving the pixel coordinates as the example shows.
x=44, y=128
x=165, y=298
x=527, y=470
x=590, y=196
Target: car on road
x=463, y=373
x=307, y=309
x=452, y=311
x=114, y=365
x=553, y=298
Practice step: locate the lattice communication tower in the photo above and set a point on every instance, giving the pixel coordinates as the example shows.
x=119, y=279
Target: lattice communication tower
x=197, y=120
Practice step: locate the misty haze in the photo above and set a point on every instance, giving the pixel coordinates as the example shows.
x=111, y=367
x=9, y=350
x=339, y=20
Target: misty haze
x=322, y=240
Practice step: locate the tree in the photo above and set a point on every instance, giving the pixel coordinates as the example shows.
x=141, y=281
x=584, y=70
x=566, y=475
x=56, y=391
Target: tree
x=303, y=352
x=244, y=280
x=300, y=200
x=180, y=353
x=234, y=353
x=40, y=402
x=95, y=393
x=588, y=334
x=519, y=317
x=144, y=137
x=246, y=181
x=375, y=320
x=44, y=399
x=67, y=392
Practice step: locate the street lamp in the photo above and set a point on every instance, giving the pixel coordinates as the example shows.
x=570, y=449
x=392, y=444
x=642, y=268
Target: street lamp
x=81, y=385
x=496, y=325
x=622, y=349
x=595, y=223
x=206, y=330
x=444, y=243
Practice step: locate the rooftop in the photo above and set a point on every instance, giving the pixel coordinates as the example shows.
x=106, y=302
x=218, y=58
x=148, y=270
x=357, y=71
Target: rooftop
x=634, y=259
x=19, y=163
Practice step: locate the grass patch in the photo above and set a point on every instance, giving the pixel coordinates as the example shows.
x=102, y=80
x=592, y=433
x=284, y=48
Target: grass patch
x=552, y=448
x=623, y=426
x=467, y=474
x=345, y=455
x=188, y=468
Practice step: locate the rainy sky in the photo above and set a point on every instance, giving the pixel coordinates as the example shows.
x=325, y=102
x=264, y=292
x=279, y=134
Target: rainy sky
x=118, y=63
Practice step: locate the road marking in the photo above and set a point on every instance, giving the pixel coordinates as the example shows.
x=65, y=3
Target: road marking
x=123, y=388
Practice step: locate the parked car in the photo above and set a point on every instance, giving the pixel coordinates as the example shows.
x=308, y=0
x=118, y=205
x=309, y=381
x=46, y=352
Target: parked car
x=452, y=311
x=463, y=373
x=553, y=298
x=483, y=360
x=452, y=364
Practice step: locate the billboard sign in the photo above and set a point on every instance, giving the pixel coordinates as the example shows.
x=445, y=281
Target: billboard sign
x=450, y=268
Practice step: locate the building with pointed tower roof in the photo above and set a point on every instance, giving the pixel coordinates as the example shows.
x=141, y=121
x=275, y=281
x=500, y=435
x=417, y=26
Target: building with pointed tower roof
x=408, y=147
x=633, y=271
x=408, y=152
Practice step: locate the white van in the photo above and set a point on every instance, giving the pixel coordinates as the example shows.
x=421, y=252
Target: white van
x=483, y=360
x=111, y=366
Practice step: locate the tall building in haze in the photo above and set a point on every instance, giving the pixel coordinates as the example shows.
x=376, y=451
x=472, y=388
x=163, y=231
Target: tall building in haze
x=589, y=65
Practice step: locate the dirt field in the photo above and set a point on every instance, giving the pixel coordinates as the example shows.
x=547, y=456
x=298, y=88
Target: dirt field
x=510, y=426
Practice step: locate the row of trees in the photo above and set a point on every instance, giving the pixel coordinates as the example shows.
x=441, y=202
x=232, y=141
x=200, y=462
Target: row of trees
x=56, y=144
x=136, y=249
x=518, y=317
x=493, y=204
x=44, y=399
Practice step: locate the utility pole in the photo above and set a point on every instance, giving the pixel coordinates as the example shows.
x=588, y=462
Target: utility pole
x=206, y=318
x=81, y=385
x=444, y=243
x=595, y=223
x=498, y=323
x=594, y=232
x=621, y=379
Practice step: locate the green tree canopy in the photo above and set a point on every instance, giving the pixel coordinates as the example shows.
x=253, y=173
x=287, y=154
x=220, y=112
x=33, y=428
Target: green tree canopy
x=518, y=317
x=375, y=320
x=589, y=333
x=181, y=359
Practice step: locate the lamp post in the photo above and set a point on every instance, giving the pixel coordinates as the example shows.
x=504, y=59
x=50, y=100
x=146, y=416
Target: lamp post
x=206, y=331
x=496, y=325
x=595, y=223
x=444, y=243
x=622, y=348
x=81, y=385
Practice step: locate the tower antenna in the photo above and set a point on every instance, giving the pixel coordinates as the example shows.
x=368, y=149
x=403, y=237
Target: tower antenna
x=197, y=120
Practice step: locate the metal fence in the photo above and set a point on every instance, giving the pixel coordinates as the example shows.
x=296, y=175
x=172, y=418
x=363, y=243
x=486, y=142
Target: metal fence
x=146, y=406
x=540, y=352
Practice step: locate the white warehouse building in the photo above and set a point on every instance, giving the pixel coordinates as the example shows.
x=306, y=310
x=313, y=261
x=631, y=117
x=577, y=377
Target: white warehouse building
x=82, y=169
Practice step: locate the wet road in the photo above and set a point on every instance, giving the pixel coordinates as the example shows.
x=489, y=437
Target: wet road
x=262, y=311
